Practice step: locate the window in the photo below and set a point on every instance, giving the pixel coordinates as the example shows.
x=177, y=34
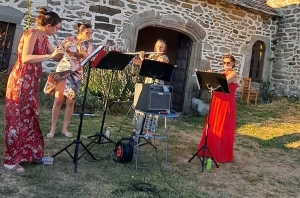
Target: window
x=257, y=61
x=7, y=31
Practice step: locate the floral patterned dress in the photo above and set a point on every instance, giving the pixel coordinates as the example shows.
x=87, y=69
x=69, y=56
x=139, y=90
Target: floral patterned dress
x=23, y=136
x=68, y=69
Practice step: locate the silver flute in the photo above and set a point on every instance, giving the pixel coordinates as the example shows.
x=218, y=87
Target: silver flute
x=59, y=44
x=218, y=70
x=137, y=53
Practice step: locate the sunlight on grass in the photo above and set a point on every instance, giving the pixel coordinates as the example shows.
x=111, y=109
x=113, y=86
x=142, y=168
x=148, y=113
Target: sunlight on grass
x=293, y=144
x=269, y=131
x=267, y=136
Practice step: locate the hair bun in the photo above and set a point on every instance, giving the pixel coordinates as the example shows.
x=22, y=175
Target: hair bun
x=79, y=24
x=42, y=10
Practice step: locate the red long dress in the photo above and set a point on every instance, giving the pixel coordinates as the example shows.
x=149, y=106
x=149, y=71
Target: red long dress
x=23, y=136
x=221, y=130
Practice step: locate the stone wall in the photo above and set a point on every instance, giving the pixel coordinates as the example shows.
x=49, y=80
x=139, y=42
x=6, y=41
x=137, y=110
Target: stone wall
x=228, y=28
x=215, y=27
x=286, y=60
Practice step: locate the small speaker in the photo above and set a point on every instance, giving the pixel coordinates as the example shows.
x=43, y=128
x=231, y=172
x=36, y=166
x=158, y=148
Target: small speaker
x=149, y=97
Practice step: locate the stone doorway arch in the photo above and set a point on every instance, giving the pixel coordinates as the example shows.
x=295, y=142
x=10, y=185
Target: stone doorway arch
x=185, y=26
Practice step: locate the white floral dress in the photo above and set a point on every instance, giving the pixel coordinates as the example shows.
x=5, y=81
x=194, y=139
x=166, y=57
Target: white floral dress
x=72, y=63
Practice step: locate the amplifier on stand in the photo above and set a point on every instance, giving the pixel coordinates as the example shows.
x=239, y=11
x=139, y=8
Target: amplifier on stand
x=152, y=97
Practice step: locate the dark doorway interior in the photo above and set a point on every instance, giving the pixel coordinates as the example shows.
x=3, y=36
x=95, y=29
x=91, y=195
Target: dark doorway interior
x=178, y=52
x=257, y=61
x=7, y=32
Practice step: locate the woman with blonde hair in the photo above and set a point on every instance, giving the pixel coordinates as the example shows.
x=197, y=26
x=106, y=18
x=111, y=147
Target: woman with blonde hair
x=23, y=136
x=148, y=123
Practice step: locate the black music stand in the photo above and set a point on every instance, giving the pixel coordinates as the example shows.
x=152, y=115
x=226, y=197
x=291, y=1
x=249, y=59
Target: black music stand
x=78, y=141
x=211, y=82
x=157, y=70
x=113, y=61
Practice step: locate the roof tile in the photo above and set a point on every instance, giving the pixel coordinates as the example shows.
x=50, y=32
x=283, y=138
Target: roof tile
x=258, y=5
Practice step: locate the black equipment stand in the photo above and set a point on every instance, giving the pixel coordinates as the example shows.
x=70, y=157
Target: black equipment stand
x=113, y=61
x=157, y=70
x=211, y=82
x=78, y=141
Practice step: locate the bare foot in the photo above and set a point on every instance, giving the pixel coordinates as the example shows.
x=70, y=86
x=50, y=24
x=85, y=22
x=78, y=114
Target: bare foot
x=15, y=168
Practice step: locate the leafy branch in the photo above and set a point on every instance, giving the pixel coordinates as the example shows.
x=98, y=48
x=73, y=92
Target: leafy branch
x=28, y=16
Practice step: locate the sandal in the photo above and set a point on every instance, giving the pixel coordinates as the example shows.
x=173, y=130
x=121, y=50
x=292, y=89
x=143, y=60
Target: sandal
x=50, y=135
x=68, y=134
x=14, y=168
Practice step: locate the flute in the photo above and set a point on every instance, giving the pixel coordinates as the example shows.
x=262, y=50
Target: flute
x=60, y=44
x=137, y=53
x=221, y=69
x=218, y=70
x=56, y=41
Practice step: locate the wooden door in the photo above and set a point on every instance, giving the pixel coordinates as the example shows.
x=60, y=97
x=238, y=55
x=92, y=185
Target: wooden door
x=257, y=61
x=179, y=78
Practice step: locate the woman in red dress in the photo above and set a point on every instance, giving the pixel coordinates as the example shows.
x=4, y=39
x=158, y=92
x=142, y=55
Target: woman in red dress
x=23, y=136
x=222, y=118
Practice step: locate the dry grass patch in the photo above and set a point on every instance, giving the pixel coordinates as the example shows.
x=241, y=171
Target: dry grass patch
x=267, y=161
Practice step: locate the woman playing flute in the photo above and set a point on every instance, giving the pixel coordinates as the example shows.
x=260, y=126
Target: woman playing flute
x=151, y=121
x=68, y=77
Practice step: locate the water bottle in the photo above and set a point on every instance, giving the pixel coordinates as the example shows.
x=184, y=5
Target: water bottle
x=47, y=160
x=107, y=135
x=208, y=164
x=133, y=134
x=147, y=136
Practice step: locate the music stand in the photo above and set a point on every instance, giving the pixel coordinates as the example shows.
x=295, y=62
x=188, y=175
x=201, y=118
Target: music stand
x=211, y=82
x=157, y=70
x=78, y=141
x=113, y=61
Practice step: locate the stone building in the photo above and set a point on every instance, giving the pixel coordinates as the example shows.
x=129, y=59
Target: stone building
x=265, y=41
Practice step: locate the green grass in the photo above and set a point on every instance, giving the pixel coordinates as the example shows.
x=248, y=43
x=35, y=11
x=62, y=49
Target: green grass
x=266, y=161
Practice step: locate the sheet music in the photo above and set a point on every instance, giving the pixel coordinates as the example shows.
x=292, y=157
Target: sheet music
x=91, y=55
x=197, y=81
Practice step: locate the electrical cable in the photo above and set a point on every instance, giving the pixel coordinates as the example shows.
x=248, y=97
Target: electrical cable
x=164, y=176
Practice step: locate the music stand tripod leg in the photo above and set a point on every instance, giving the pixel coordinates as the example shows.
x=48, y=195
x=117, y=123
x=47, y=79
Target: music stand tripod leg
x=78, y=141
x=205, y=147
x=97, y=137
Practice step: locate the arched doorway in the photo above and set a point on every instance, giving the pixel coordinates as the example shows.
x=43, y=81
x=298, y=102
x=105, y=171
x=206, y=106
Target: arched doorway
x=178, y=52
x=187, y=28
x=257, y=61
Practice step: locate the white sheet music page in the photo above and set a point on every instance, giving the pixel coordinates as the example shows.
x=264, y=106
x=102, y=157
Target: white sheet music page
x=91, y=55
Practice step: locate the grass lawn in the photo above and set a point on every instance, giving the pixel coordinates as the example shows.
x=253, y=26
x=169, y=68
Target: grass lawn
x=267, y=160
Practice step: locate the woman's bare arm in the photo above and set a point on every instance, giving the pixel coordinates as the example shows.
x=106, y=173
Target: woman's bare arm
x=232, y=77
x=28, y=48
